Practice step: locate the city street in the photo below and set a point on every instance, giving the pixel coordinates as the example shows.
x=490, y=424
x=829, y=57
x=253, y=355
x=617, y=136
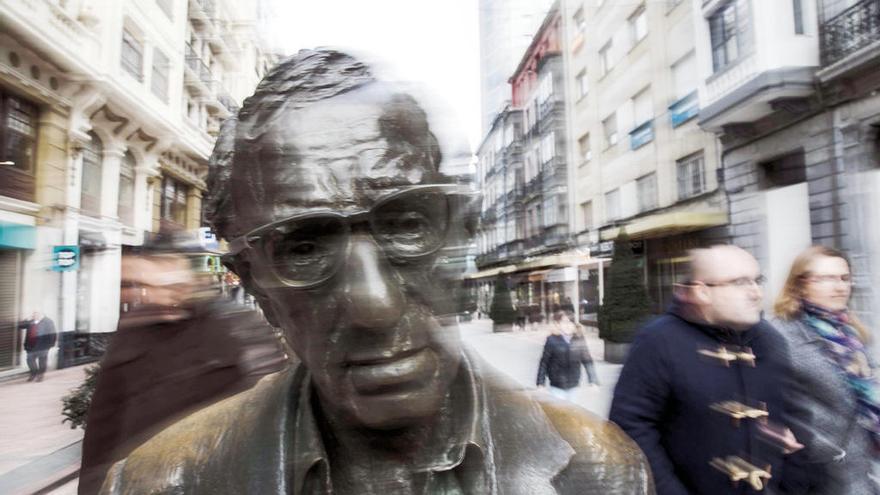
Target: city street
x=39, y=451
x=518, y=353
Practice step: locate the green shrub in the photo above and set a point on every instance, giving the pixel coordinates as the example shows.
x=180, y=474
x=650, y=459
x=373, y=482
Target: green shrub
x=501, y=311
x=626, y=303
x=76, y=403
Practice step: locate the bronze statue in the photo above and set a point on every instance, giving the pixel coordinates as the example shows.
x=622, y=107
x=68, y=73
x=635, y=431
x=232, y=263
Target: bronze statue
x=340, y=224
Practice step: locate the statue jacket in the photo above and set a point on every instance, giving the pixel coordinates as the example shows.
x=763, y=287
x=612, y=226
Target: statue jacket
x=502, y=440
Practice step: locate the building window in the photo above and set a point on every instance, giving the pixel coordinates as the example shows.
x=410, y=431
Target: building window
x=583, y=84
x=174, y=201
x=798, y=8
x=684, y=76
x=728, y=29
x=638, y=25
x=587, y=214
x=126, y=189
x=550, y=211
x=612, y=205
x=548, y=148
x=159, y=78
x=18, y=134
x=647, y=191
x=545, y=89
x=132, y=55
x=607, y=63
x=584, y=148
x=165, y=7
x=92, y=158
x=691, y=175
x=643, y=110
x=609, y=125
x=579, y=21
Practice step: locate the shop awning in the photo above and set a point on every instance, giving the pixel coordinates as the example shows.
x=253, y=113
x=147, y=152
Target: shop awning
x=17, y=236
x=490, y=272
x=666, y=224
x=537, y=275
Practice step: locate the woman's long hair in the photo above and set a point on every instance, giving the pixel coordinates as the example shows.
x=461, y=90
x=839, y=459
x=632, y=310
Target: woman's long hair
x=788, y=304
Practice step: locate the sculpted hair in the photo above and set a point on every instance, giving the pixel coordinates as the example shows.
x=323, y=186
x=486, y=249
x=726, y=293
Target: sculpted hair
x=788, y=305
x=308, y=77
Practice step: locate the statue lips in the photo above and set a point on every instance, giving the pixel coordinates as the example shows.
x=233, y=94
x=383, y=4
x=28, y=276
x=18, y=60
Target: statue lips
x=390, y=374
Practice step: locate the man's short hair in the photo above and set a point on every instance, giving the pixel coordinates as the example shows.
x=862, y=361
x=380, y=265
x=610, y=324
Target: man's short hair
x=308, y=77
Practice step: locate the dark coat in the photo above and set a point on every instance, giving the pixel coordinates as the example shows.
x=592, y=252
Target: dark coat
x=562, y=361
x=667, y=386
x=46, y=335
x=153, y=373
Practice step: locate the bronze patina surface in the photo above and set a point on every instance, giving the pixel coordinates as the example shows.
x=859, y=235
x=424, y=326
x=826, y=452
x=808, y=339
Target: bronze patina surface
x=342, y=226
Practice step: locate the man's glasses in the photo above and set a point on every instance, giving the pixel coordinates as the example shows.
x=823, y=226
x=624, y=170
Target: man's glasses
x=307, y=249
x=741, y=282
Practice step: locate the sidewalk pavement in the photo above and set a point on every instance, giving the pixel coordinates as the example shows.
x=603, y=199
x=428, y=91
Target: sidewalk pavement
x=517, y=354
x=37, y=449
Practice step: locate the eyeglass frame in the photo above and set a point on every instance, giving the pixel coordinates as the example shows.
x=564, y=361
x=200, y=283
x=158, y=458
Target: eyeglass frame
x=740, y=283
x=243, y=242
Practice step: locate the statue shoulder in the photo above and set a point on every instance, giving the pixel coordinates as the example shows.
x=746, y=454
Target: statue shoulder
x=613, y=460
x=183, y=456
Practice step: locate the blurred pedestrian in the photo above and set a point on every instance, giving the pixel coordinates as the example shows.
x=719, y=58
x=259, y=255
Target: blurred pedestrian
x=565, y=351
x=703, y=383
x=40, y=336
x=835, y=386
x=180, y=347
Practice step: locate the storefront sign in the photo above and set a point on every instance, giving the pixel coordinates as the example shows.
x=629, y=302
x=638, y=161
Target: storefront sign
x=65, y=258
x=207, y=238
x=606, y=248
x=568, y=274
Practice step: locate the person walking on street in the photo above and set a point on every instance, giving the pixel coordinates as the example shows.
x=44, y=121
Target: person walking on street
x=565, y=351
x=702, y=389
x=40, y=336
x=835, y=385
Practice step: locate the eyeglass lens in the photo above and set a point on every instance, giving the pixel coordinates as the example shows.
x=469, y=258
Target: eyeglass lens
x=307, y=251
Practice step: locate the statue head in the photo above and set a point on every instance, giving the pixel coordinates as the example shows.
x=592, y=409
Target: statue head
x=327, y=187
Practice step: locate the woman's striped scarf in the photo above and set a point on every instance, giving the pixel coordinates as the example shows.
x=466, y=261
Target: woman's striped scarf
x=845, y=348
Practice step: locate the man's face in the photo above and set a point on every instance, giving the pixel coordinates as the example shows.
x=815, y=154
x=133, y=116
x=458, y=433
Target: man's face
x=731, y=296
x=378, y=355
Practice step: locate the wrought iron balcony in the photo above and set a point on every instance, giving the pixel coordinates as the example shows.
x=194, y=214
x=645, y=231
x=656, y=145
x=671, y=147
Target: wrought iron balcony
x=850, y=31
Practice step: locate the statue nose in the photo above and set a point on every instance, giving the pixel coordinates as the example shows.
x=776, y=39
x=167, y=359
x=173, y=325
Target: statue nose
x=374, y=298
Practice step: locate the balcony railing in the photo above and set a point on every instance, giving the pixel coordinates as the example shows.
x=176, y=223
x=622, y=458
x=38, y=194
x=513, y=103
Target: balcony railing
x=850, y=31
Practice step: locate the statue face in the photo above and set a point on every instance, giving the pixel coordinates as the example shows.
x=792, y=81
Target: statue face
x=348, y=261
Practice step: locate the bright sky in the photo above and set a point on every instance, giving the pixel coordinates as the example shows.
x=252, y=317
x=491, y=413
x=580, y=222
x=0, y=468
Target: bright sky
x=430, y=42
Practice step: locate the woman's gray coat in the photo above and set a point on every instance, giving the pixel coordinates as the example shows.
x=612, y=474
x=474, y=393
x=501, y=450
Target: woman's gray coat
x=824, y=416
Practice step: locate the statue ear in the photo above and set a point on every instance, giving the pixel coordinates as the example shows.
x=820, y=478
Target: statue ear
x=242, y=268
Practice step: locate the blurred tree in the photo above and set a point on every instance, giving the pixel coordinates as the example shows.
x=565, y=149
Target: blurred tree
x=626, y=303
x=501, y=311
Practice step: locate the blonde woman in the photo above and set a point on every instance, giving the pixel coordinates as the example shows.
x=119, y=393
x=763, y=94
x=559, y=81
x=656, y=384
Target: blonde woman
x=835, y=392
